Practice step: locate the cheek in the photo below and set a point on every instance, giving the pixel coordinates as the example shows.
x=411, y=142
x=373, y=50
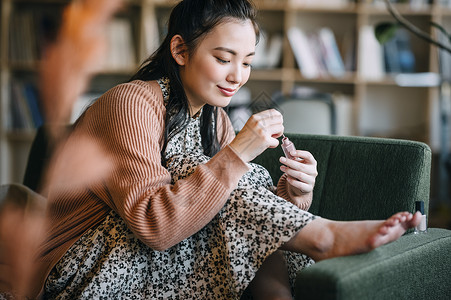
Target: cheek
x=211, y=72
x=246, y=75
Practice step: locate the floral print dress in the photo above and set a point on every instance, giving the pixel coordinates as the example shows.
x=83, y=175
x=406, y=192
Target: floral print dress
x=218, y=262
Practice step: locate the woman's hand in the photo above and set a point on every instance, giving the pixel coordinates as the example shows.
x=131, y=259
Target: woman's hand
x=301, y=173
x=259, y=133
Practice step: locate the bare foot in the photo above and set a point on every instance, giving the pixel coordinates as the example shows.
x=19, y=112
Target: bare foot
x=322, y=238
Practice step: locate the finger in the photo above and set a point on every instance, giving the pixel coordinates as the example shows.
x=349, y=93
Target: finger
x=274, y=132
x=269, y=117
x=299, y=176
x=306, y=156
x=299, y=166
x=302, y=186
x=269, y=113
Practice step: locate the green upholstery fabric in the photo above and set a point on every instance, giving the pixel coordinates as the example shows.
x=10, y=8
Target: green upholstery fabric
x=372, y=178
x=362, y=178
x=417, y=266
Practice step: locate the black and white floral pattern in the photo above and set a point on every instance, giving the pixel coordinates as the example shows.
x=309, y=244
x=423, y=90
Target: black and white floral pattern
x=218, y=262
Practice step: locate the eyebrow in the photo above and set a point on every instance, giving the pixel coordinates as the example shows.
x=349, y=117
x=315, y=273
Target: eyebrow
x=231, y=51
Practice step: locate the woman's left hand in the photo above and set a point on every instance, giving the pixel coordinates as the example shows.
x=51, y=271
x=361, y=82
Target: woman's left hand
x=301, y=172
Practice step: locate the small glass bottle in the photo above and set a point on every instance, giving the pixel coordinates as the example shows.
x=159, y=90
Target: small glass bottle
x=422, y=227
x=288, y=147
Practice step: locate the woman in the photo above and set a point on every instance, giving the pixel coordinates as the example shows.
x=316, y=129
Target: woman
x=184, y=214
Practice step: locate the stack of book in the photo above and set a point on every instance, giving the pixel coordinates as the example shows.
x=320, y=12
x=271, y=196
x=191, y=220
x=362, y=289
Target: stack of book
x=121, y=52
x=394, y=57
x=268, y=52
x=317, y=53
x=24, y=106
x=30, y=32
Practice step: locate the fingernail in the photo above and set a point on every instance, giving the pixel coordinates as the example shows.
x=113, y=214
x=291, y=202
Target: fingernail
x=283, y=159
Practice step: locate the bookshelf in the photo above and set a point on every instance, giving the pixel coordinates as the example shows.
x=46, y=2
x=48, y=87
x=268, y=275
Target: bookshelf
x=378, y=104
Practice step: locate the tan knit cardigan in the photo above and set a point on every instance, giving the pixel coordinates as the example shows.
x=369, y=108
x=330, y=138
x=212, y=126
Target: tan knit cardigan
x=128, y=121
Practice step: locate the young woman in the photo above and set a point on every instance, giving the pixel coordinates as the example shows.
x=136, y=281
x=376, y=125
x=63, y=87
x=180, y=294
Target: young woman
x=184, y=214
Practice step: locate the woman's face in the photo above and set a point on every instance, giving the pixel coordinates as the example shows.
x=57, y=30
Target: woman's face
x=220, y=65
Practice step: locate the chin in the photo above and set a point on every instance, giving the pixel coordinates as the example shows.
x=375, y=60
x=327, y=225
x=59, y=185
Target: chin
x=221, y=101
x=225, y=103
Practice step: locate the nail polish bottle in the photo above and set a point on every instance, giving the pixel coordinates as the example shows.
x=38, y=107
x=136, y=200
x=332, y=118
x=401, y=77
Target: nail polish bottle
x=422, y=227
x=287, y=147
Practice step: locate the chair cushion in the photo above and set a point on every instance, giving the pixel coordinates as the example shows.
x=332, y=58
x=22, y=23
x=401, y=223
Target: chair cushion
x=414, y=267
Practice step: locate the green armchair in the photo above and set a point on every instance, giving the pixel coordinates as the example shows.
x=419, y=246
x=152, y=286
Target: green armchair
x=372, y=178
x=359, y=178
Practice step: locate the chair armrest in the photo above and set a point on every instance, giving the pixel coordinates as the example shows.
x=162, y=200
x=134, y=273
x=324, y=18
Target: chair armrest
x=417, y=266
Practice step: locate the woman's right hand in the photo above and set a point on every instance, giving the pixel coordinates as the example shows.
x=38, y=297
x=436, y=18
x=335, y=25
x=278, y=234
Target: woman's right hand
x=259, y=133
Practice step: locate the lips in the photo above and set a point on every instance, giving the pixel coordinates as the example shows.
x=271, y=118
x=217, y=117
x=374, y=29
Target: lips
x=227, y=92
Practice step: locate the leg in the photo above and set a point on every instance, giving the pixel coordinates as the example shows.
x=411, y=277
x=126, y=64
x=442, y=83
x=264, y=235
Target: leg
x=271, y=280
x=322, y=238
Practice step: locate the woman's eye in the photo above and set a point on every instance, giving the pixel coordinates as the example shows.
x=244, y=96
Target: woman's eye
x=221, y=60
x=247, y=65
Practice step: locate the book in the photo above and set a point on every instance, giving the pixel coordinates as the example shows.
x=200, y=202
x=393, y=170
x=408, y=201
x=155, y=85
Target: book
x=274, y=51
x=349, y=51
x=332, y=56
x=20, y=110
x=303, y=54
x=25, y=106
x=268, y=51
x=444, y=57
x=32, y=98
x=316, y=49
x=422, y=79
x=258, y=61
x=371, y=59
x=121, y=52
x=398, y=54
x=29, y=35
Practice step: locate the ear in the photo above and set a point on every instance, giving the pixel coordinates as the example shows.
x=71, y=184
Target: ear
x=178, y=49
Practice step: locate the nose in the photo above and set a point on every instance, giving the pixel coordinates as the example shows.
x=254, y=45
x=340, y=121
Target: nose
x=235, y=75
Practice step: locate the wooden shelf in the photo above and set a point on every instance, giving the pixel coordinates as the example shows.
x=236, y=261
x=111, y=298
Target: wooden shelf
x=403, y=9
x=278, y=16
x=22, y=135
x=348, y=9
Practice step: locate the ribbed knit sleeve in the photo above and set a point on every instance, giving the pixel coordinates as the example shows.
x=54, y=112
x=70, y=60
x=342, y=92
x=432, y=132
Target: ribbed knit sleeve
x=129, y=121
x=282, y=191
x=226, y=134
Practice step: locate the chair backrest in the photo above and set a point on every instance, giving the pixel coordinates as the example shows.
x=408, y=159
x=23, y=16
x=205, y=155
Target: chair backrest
x=308, y=114
x=361, y=177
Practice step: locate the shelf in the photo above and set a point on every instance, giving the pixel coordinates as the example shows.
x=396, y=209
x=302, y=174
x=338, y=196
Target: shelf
x=350, y=8
x=33, y=67
x=403, y=9
x=414, y=80
x=43, y=2
x=349, y=78
x=267, y=74
x=270, y=5
x=276, y=17
x=23, y=135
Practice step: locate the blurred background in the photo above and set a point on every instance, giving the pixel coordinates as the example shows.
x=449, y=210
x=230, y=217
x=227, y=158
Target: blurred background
x=318, y=62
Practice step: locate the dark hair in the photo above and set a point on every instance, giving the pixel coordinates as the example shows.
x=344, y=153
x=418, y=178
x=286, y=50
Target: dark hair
x=192, y=20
